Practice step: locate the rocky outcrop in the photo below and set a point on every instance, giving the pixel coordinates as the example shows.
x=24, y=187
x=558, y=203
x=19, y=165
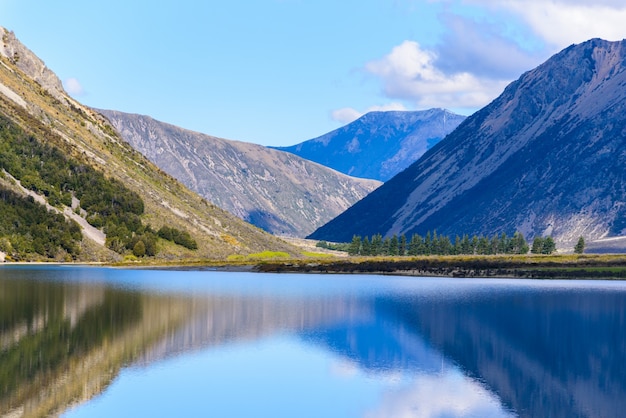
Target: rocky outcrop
x=24, y=59
x=544, y=158
x=379, y=144
x=276, y=191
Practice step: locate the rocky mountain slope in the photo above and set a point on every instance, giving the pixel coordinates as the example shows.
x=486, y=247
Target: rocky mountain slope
x=545, y=158
x=276, y=191
x=34, y=107
x=379, y=144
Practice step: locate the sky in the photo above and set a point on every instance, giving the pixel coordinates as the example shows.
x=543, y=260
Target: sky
x=279, y=72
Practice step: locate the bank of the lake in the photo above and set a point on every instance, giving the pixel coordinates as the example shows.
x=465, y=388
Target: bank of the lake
x=525, y=266
x=569, y=266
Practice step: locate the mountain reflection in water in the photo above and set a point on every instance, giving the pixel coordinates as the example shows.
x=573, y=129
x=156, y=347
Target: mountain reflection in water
x=460, y=347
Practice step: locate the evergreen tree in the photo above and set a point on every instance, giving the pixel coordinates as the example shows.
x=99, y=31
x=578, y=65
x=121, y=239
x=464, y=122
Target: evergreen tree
x=483, y=246
x=377, y=244
x=403, y=247
x=457, y=249
x=139, y=249
x=504, y=246
x=366, y=247
x=580, y=246
x=548, y=245
x=494, y=245
x=393, y=245
x=355, y=245
x=466, y=245
x=475, y=241
x=415, y=244
x=518, y=244
x=428, y=244
x=385, y=247
x=444, y=246
x=537, y=247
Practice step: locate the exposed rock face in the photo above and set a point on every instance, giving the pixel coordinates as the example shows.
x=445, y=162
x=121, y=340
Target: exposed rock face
x=276, y=191
x=24, y=59
x=546, y=157
x=379, y=144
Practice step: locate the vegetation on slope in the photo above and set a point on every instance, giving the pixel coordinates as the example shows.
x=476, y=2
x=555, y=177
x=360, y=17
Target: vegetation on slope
x=105, y=203
x=87, y=139
x=27, y=228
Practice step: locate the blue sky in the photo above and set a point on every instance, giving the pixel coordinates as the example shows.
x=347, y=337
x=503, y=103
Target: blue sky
x=278, y=72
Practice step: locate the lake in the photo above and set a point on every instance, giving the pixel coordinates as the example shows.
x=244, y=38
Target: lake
x=107, y=342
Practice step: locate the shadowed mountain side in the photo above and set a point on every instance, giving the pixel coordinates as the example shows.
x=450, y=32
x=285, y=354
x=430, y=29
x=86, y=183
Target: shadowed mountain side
x=544, y=158
x=379, y=145
x=277, y=191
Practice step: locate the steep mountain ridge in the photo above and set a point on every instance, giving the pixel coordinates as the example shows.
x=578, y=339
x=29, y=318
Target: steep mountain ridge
x=276, y=191
x=544, y=158
x=379, y=145
x=31, y=97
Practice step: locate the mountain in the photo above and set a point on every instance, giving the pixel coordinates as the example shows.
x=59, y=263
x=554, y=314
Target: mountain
x=276, y=191
x=379, y=145
x=544, y=158
x=73, y=189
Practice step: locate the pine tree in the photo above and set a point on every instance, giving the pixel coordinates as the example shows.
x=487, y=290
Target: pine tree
x=366, y=247
x=537, y=246
x=385, y=247
x=518, y=244
x=466, y=245
x=548, y=245
x=494, y=244
x=377, y=244
x=444, y=246
x=457, y=245
x=403, y=248
x=393, y=245
x=355, y=245
x=483, y=246
x=428, y=245
x=415, y=244
x=474, y=245
x=580, y=246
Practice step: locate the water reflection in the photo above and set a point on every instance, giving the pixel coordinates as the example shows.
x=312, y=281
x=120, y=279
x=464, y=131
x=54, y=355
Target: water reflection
x=352, y=345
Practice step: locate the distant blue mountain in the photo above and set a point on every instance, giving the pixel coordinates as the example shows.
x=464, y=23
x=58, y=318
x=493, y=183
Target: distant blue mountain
x=379, y=144
x=546, y=157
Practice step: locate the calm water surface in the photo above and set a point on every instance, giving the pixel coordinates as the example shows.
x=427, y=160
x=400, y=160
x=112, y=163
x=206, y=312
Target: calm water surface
x=101, y=342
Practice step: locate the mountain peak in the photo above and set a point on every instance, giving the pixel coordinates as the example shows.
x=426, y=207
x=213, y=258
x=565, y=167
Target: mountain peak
x=24, y=59
x=545, y=157
x=379, y=144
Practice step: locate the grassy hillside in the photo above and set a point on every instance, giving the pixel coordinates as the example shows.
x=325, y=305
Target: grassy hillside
x=80, y=155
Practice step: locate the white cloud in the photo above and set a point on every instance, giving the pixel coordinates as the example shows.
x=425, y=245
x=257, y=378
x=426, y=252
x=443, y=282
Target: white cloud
x=347, y=114
x=73, y=87
x=484, y=49
x=562, y=23
x=409, y=72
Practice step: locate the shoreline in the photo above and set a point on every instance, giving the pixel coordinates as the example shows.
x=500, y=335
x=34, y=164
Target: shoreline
x=586, y=266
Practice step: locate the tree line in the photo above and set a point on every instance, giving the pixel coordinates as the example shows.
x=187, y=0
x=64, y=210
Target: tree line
x=437, y=244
